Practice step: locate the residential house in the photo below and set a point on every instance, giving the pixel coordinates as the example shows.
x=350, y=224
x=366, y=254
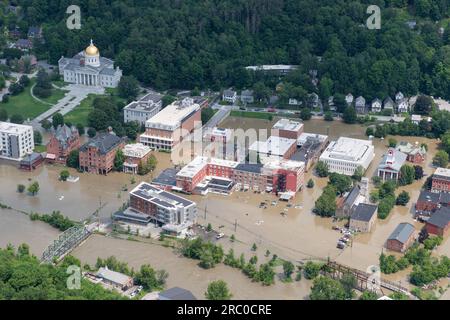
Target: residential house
x=402, y=106
x=313, y=100
x=363, y=217
x=229, y=96
x=388, y=104
x=115, y=279
x=415, y=153
x=349, y=99
x=390, y=165
x=439, y=222
x=97, y=156
x=402, y=237
x=376, y=105
x=294, y=102
x=440, y=181
x=360, y=105
x=24, y=44
x=331, y=104
x=247, y=96
x=34, y=33
x=416, y=118
x=62, y=142
x=399, y=96
x=176, y=293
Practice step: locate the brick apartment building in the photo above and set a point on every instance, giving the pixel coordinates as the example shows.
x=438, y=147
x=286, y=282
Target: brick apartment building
x=440, y=181
x=62, y=142
x=97, y=156
x=439, y=222
x=289, y=129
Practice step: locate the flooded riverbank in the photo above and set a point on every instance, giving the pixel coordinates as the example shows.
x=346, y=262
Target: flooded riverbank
x=185, y=272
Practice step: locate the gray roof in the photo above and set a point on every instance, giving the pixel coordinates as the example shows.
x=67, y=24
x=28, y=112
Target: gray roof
x=177, y=293
x=105, y=142
x=63, y=134
x=441, y=218
x=399, y=160
x=360, y=101
x=364, y=212
x=247, y=93
x=402, y=233
x=389, y=103
x=229, y=93
x=249, y=167
x=352, y=196
x=113, y=276
x=168, y=177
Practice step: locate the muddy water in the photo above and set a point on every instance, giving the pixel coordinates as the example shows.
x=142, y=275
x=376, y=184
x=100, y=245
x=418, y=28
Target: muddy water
x=17, y=228
x=184, y=272
x=298, y=236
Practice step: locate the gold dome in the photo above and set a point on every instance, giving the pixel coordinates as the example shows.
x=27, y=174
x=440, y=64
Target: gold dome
x=92, y=50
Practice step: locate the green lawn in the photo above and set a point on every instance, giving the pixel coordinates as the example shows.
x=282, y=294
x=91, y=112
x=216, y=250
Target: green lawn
x=57, y=94
x=80, y=113
x=40, y=148
x=25, y=105
x=255, y=115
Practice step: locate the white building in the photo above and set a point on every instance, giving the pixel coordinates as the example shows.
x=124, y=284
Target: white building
x=273, y=148
x=229, y=96
x=169, y=126
x=143, y=109
x=349, y=99
x=376, y=105
x=89, y=69
x=16, y=141
x=134, y=155
x=402, y=105
x=345, y=155
x=275, y=68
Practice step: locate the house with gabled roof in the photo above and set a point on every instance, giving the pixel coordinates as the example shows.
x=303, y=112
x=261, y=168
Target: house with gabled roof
x=360, y=105
x=390, y=165
x=402, y=237
x=376, y=105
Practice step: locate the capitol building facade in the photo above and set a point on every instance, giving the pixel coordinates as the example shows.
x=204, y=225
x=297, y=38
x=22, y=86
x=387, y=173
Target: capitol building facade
x=88, y=68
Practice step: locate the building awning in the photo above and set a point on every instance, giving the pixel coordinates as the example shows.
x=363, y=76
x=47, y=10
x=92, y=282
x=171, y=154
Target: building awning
x=50, y=156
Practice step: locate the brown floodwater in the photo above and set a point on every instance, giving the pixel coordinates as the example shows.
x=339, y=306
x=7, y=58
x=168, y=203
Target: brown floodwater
x=298, y=236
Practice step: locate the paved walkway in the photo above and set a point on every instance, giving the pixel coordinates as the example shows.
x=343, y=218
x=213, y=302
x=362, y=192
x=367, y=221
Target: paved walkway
x=71, y=100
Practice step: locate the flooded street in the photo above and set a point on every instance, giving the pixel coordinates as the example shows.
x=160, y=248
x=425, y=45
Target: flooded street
x=298, y=236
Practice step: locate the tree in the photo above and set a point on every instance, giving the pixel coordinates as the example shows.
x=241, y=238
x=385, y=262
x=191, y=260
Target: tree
x=33, y=188
x=305, y=114
x=325, y=288
x=46, y=124
x=167, y=99
x=15, y=89
x=407, y=175
x=418, y=172
x=311, y=270
x=423, y=105
x=441, y=159
x=37, y=136
x=119, y=159
x=349, y=282
x=403, y=198
x=24, y=81
x=350, y=115
x=3, y=115
x=328, y=116
x=57, y=120
x=254, y=247
x=17, y=119
x=73, y=160
x=368, y=295
x=288, y=269
x=218, y=290
x=43, y=80
x=325, y=205
x=20, y=188
x=80, y=129
x=358, y=174
x=392, y=143
x=322, y=169
x=64, y=175
x=341, y=182
x=128, y=88
x=150, y=279
x=266, y=274
x=91, y=132
x=310, y=184
x=370, y=131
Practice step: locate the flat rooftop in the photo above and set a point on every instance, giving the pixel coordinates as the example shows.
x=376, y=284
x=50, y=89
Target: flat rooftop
x=196, y=165
x=13, y=128
x=288, y=125
x=284, y=164
x=137, y=150
x=172, y=116
x=273, y=146
x=347, y=149
x=442, y=172
x=159, y=197
x=272, y=67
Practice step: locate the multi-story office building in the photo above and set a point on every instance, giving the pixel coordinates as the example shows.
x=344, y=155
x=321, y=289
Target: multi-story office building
x=143, y=109
x=16, y=141
x=345, y=155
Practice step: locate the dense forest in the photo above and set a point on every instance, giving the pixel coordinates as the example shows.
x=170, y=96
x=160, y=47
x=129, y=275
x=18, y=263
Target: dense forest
x=206, y=43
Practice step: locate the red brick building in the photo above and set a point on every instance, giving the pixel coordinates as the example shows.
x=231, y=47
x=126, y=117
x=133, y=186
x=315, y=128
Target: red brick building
x=439, y=223
x=97, y=156
x=440, y=181
x=402, y=237
x=289, y=129
x=62, y=142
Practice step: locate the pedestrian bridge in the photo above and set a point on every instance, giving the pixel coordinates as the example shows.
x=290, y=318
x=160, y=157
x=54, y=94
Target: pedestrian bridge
x=66, y=242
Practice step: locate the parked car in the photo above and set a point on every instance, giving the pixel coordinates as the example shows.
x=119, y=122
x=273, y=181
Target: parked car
x=220, y=236
x=340, y=245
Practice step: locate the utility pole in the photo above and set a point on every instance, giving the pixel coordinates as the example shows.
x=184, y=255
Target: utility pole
x=235, y=226
x=205, y=210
